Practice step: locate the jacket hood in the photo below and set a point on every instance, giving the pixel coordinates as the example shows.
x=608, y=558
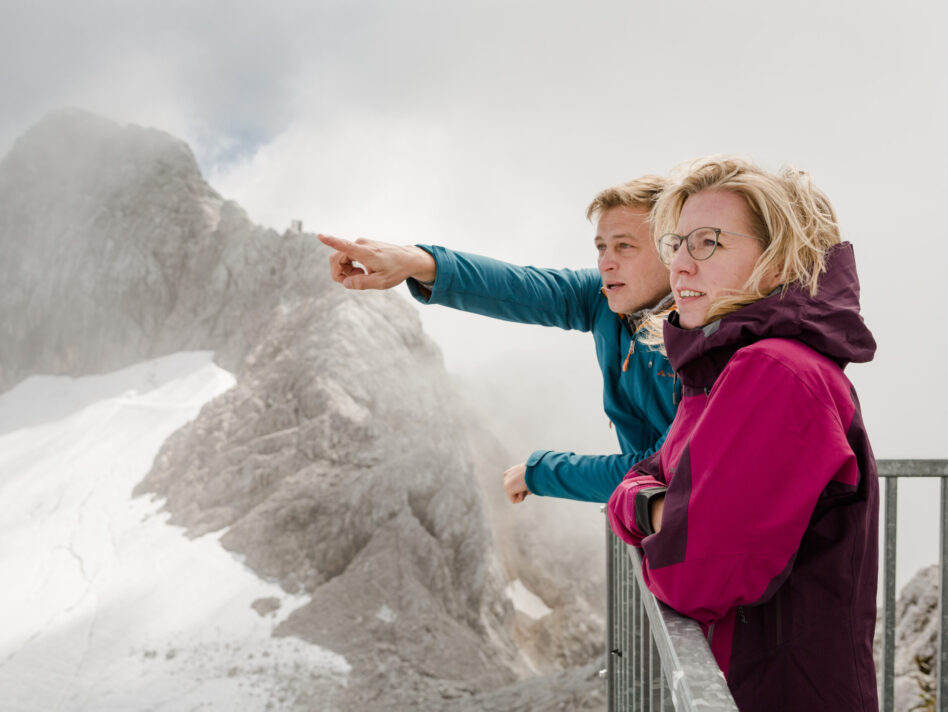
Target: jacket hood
x=828, y=322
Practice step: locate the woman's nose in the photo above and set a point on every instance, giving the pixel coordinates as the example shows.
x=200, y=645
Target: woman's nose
x=682, y=261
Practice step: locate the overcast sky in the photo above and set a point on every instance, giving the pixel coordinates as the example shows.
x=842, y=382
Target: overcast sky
x=488, y=125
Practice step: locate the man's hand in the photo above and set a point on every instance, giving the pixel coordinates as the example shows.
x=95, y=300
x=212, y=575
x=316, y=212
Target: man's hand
x=381, y=265
x=515, y=483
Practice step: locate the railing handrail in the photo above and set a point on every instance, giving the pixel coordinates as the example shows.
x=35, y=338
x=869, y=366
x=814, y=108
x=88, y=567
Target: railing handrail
x=912, y=468
x=691, y=672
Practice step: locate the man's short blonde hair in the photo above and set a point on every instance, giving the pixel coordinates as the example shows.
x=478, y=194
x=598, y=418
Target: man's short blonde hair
x=640, y=193
x=792, y=216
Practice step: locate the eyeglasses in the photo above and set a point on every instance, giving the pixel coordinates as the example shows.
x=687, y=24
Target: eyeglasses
x=701, y=243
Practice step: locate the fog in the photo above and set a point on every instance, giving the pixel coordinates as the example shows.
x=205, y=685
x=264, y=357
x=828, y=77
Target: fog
x=488, y=126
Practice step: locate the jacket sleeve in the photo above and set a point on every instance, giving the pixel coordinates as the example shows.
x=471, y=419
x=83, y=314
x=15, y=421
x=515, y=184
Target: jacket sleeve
x=743, y=489
x=629, y=507
x=587, y=478
x=529, y=295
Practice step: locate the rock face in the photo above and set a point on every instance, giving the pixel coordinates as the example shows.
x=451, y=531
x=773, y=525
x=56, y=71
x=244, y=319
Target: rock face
x=916, y=642
x=341, y=464
x=116, y=249
x=349, y=478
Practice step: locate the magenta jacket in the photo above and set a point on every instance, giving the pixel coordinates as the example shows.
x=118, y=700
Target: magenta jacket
x=769, y=530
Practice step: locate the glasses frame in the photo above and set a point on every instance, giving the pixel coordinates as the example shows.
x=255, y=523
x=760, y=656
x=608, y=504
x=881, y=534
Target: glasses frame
x=686, y=239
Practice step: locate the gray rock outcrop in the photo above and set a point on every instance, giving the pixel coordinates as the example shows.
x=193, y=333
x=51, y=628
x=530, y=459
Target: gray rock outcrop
x=916, y=642
x=347, y=476
x=341, y=464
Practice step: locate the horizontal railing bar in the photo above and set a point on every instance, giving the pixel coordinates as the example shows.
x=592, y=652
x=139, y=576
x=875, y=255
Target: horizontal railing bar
x=692, y=674
x=912, y=468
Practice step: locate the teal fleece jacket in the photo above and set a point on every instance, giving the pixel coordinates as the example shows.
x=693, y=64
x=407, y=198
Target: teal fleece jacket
x=640, y=401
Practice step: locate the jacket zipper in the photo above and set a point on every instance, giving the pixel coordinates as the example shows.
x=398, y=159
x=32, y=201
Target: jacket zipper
x=625, y=364
x=779, y=621
x=630, y=327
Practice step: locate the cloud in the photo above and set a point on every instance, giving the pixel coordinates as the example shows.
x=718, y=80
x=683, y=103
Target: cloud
x=207, y=71
x=489, y=125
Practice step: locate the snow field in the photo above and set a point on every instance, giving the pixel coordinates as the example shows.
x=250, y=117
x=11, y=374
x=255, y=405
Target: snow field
x=105, y=606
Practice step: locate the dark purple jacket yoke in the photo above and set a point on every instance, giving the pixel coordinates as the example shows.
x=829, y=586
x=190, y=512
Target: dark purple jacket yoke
x=769, y=529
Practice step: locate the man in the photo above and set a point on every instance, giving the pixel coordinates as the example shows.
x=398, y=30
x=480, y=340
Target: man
x=640, y=391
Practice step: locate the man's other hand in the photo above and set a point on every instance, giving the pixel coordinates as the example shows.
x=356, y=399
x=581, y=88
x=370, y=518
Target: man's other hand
x=515, y=483
x=367, y=264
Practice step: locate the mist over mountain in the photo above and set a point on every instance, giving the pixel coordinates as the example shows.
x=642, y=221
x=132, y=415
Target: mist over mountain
x=115, y=250
x=342, y=465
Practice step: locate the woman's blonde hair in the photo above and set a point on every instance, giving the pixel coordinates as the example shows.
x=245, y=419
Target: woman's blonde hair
x=793, y=217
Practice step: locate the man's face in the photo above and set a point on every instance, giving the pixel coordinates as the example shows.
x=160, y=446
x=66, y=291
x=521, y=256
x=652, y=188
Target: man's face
x=633, y=277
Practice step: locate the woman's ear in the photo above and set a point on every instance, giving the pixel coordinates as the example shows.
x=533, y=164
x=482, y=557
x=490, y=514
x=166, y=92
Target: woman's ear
x=769, y=283
x=770, y=280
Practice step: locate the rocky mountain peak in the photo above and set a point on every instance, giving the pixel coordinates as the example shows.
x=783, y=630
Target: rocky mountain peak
x=113, y=240
x=340, y=464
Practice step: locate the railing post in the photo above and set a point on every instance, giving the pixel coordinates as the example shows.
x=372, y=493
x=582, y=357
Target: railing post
x=610, y=670
x=623, y=642
x=632, y=656
x=641, y=653
x=942, y=669
x=888, y=597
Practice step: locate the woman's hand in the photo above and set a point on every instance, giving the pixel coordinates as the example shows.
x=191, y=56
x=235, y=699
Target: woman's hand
x=657, y=507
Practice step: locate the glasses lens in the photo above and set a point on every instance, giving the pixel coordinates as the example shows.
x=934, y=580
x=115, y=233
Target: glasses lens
x=701, y=243
x=667, y=247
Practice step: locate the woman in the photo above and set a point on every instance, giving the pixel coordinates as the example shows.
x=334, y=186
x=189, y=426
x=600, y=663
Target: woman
x=758, y=517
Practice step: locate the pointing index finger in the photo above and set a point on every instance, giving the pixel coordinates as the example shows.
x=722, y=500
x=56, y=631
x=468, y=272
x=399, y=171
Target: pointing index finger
x=333, y=242
x=350, y=249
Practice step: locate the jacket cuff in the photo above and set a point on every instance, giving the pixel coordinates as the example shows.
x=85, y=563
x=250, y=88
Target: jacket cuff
x=444, y=276
x=643, y=508
x=422, y=291
x=529, y=477
x=630, y=520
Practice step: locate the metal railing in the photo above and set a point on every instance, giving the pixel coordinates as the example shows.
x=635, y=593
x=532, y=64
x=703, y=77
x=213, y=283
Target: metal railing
x=658, y=659
x=891, y=471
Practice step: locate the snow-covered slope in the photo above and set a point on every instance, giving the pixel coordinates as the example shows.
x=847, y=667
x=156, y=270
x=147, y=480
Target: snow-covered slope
x=105, y=606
